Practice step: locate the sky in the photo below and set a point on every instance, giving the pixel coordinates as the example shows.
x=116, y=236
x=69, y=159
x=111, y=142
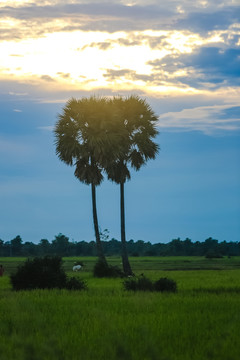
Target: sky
x=183, y=57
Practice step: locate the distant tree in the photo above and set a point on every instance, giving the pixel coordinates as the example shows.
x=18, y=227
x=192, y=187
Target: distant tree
x=30, y=249
x=61, y=245
x=84, y=139
x=44, y=247
x=188, y=247
x=16, y=246
x=137, y=122
x=1, y=247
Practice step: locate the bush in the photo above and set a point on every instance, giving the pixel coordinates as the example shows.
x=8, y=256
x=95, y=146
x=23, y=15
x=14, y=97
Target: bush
x=164, y=284
x=102, y=269
x=142, y=283
x=138, y=283
x=75, y=284
x=43, y=273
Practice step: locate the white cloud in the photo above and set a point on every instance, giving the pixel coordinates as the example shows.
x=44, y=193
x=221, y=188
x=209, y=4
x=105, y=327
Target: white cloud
x=208, y=119
x=17, y=93
x=46, y=128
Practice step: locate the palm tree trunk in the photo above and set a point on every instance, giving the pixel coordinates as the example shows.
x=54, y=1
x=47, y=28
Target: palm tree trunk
x=126, y=265
x=96, y=227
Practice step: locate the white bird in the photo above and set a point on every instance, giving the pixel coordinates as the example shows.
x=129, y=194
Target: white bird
x=77, y=267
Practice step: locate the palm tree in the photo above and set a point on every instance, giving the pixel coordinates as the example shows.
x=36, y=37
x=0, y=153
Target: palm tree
x=138, y=122
x=84, y=139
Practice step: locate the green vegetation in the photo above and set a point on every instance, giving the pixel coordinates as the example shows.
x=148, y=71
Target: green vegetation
x=199, y=322
x=61, y=246
x=102, y=269
x=44, y=273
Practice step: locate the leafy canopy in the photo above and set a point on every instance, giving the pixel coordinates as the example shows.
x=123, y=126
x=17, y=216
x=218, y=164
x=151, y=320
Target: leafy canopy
x=86, y=136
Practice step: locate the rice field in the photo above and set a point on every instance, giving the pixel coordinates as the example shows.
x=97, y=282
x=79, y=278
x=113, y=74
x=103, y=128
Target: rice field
x=200, y=321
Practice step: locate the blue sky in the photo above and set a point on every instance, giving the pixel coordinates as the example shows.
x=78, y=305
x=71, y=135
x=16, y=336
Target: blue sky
x=182, y=57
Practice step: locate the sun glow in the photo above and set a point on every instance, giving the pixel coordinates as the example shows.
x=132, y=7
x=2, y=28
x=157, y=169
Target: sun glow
x=97, y=59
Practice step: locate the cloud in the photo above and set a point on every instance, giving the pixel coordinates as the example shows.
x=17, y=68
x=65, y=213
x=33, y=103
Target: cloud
x=92, y=9
x=64, y=75
x=12, y=93
x=205, y=67
x=47, y=78
x=210, y=20
x=46, y=128
x=112, y=74
x=208, y=119
x=32, y=20
x=17, y=110
x=36, y=20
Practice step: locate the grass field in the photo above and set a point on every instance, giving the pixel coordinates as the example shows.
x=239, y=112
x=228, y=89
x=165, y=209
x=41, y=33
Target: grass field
x=200, y=321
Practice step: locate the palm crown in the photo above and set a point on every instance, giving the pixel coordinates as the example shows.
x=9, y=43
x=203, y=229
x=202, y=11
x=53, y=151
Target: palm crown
x=137, y=122
x=86, y=137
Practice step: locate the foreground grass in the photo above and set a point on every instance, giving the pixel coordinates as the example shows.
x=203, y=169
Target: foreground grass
x=199, y=322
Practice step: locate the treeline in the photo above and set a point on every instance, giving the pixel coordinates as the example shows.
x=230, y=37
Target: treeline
x=63, y=247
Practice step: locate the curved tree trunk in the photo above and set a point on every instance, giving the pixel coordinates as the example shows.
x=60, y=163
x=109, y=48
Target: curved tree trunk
x=126, y=265
x=96, y=227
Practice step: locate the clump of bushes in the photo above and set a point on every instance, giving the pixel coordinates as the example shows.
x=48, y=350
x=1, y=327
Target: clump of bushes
x=165, y=284
x=76, y=284
x=43, y=273
x=102, y=269
x=138, y=283
x=142, y=283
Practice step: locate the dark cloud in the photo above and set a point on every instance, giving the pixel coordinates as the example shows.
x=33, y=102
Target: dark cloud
x=47, y=78
x=208, y=21
x=91, y=9
x=128, y=74
x=216, y=62
x=112, y=17
x=207, y=66
x=112, y=74
x=63, y=75
x=103, y=45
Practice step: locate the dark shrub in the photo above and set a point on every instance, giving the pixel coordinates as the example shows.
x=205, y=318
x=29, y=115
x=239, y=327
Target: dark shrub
x=76, y=284
x=138, y=283
x=164, y=284
x=43, y=273
x=102, y=269
x=39, y=273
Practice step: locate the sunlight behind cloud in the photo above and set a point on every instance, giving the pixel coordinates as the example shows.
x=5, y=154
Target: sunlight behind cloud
x=99, y=59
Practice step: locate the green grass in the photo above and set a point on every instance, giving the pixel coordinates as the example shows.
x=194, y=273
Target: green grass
x=200, y=322
x=141, y=264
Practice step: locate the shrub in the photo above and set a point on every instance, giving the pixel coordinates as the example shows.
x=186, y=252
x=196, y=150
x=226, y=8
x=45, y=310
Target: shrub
x=138, y=283
x=43, y=273
x=75, y=284
x=102, y=269
x=164, y=284
x=144, y=284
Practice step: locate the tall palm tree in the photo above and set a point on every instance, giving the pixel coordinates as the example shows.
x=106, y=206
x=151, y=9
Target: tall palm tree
x=137, y=121
x=84, y=139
